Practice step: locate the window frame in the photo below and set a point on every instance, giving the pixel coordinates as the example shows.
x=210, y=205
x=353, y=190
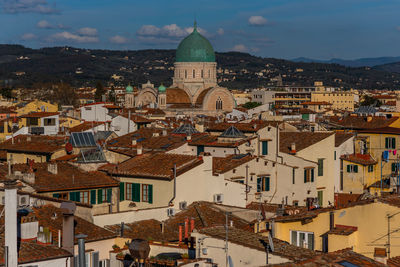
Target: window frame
x=82, y=197
x=145, y=192
x=129, y=191
x=306, y=238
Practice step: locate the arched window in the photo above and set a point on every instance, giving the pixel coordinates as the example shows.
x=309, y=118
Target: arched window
x=218, y=104
x=194, y=74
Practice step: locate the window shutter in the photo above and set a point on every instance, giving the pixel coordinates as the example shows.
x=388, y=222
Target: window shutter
x=109, y=195
x=386, y=142
x=136, y=192
x=95, y=259
x=259, y=184
x=150, y=193
x=305, y=176
x=355, y=168
x=93, y=197
x=267, y=185
x=56, y=195
x=348, y=168
x=99, y=198
x=121, y=191
x=265, y=147
x=312, y=175
x=72, y=194
x=320, y=167
x=393, y=142
x=393, y=167
x=77, y=196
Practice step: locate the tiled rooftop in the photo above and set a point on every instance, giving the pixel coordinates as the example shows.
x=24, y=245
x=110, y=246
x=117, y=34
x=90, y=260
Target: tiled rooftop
x=42, y=144
x=222, y=165
x=360, y=122
x=342, y=230
x=363, y=159
x=249, y=127
x=340, y=138
x=301, y=139
x=39, y=114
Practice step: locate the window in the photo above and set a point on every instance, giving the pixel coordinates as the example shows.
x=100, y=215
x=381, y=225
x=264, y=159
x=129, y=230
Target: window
x=104, y=195
x=218, y=104
x=194, y=74
x=129, y=191
x=320, y=167
x=309, y=175
x=352, y=168
x=263, y=184
x=264, y=148
x=390, y=142
x=49, y=122
x=84, y=196
x=293, y=176
x=147, y=193
x=395, y=167
x=334, y=155
x=185, y=74
x=209, y=73
x=202, y=73
x=370, y=168
x=32, y=122
x=302, y=239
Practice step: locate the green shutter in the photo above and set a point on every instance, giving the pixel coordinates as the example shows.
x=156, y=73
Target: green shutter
x=72, y=196
x=77, y=197
x=56, y=195
x=312, y=175
x=355, y=168
x=109, y=195
x=267, y=183
x=136, y=192
x=320, y=167
x=305, y=176
x=393, y=167
x=393, y=142
x=386, y=142
x=150, y=193
x=264, y=147
x=348, y=168
x=121, y=191
x=99, y=199
x=93, y=197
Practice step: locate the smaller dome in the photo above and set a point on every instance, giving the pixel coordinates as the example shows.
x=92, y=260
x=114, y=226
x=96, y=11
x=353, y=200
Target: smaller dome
x=129, y=89
x=161, y=88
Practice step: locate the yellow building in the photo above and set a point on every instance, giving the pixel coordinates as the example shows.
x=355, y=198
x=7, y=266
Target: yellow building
x=358, y=172
x=362, y=226
x=36, y=106
x=343, y=100
x=68, y=122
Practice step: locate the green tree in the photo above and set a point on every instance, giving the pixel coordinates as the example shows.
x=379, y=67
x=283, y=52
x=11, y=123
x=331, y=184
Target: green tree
x=64, y=94
x=370, y=101
x=250, y=105
x=100, y=91
x=111, y=95
x=6, y=92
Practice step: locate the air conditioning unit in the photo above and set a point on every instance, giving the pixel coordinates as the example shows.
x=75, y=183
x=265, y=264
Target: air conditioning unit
x=170, y=212
x=23, y=200
x=218, y=198
x=182, y=205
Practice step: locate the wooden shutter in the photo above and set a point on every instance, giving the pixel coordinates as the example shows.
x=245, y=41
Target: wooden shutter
x=265, y=147
x=312, y=175
x=121, y=191
x=77, y=197
x=259, y=184
x=386, y=142
x=320, y=167
x=136, y=192
x=393, y=142
x=99, y=196
x=305, y=176
x=109, y=195
x=348, y=168
x=72, y=196
x=93, y=197
x=267, y=183
x=355, y=168
x=150, y=193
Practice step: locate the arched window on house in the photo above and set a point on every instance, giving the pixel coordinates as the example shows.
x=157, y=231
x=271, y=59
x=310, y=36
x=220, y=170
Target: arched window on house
x=218, y=104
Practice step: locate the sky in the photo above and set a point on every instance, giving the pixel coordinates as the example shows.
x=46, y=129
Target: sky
x=318, y=29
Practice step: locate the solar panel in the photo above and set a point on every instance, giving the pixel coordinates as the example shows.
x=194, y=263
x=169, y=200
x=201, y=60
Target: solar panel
x=239, y=156
x=140, y=139
x=91, y=155
x=348, y=264
x=84, y=139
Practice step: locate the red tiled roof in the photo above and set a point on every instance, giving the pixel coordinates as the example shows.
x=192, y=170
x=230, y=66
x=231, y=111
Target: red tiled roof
x=212, y=141
x=342, y=230
x=159, y=165
x=222, y=165
x=340, y=138
x=39, y=114
x=301, y=139
x=363, y=159
x=177, y=96
x=42, y=144
x=384, y=130
x=359, y=122
x=248, y=127
x=85, y=126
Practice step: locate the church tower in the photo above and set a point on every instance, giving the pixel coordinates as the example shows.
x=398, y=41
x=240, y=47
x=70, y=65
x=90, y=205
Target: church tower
x=195, y=66
x=162, y=97
x=129, y=97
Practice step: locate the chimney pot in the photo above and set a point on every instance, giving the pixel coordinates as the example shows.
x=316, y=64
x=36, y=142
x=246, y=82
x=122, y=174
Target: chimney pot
x=139, y=150
x=134, y=142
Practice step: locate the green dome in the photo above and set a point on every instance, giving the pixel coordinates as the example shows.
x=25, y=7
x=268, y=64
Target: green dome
x=161, y=88
x=129, y=89
x=195, y=48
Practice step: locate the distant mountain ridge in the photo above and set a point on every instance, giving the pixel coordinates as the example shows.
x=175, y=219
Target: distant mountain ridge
x=361, y=62
x=32, y=68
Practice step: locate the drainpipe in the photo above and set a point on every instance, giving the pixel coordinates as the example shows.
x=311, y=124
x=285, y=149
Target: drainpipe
x=172, y=199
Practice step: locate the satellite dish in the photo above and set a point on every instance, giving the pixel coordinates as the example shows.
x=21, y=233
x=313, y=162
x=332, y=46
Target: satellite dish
x=230, y=261
x=271, y=242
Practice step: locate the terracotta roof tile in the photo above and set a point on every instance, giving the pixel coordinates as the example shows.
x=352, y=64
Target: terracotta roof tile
x=301, y=139
x=248, y=127
x=342, y=230
x=222, y=165
x=87, y=125
x=363, y=159
x=39, y=114
x=340, y=138
x=42, y=144
x=359, y=122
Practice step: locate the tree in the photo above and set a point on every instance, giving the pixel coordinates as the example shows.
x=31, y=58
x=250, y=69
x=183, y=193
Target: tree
x=111, y=95
x=370, y=101
x=250, y=105
x=6, y=93
x=100, y=91
x=64, y=94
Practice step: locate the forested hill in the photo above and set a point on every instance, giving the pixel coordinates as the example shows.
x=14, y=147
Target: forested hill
x=21, y=66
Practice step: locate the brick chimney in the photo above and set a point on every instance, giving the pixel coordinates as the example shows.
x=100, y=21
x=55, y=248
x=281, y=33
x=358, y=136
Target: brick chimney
x=293, y=149
x=68, y=210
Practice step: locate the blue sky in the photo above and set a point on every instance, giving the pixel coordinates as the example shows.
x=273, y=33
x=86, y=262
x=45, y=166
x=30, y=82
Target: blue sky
x=318, y=29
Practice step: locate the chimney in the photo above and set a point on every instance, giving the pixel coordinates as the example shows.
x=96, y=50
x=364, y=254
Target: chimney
x=191, y=225
x=139, y=150
x=81, y=249
x=188, y=137
x=134, y=142
x=156, y=134
x=331, y=220
x=11, y=248
x=180, y=233
x=52, y=168
x=186, y=228
x=28, y=138
x=380, y=255
x=293, y=149
x=369, y=118
x=164, y=132
x=68, y=210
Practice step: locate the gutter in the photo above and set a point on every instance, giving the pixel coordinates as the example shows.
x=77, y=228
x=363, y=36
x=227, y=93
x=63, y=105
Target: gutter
x=170, y=203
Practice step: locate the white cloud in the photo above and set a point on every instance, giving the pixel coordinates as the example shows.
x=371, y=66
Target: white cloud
x=87, y=31
x=220, y=31
x=118, y=39
x=27, y=6
x=167, y=31
x=44, y=24
x=240, y=48
x=28, y=36
x=68, y=36
x=257, y=21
